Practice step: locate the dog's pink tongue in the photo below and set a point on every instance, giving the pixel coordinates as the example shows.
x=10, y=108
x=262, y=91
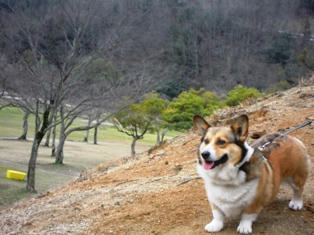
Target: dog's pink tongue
x=208, y=166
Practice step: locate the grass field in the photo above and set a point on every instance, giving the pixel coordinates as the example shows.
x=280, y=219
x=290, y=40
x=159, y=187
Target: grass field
x=10, y=190
x=79, y=156
x=11, y=122
x=14, y=155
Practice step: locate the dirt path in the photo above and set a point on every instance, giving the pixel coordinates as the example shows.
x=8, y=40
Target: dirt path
x=152, y=194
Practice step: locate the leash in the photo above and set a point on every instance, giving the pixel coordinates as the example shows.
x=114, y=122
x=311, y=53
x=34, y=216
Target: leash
x=309, y=122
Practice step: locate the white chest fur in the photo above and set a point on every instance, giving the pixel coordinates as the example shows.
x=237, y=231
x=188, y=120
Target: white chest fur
x=226, y=189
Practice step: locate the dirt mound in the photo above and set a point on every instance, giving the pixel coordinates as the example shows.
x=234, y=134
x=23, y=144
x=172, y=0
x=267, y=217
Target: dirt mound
x=160, y=193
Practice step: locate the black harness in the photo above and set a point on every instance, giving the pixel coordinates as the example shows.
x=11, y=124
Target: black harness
x=260, y=150
x=262, y=147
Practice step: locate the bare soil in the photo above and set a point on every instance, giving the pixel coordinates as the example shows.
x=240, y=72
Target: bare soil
x=159, y=192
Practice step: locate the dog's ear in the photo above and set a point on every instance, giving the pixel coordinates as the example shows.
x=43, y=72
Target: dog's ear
x=240, y=127
x=200, y=125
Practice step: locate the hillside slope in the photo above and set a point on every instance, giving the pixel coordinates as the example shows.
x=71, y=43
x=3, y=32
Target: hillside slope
x=158, y=192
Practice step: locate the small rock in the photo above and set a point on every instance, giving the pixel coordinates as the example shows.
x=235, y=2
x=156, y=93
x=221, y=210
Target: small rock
x=160, y=153
x=258, y=134
x=306, y=95
x=177, y=168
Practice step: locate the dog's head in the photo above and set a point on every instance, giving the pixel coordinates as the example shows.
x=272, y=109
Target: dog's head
x=222, y=145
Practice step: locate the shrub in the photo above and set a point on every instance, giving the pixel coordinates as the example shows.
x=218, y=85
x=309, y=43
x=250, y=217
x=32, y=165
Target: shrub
x=182, y=109
x=239, y=94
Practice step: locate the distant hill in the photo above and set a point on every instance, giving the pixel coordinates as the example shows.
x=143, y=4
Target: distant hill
x=187, y=44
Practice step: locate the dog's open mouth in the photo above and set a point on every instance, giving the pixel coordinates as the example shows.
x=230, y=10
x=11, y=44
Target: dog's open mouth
x=208, y=165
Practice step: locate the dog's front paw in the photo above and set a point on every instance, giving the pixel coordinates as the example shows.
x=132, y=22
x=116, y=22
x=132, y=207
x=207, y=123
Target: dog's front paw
x=245, y=227
x=296, y=204
x=214, y=226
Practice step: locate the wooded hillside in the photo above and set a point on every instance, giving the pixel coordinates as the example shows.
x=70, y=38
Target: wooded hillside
x=213, y=44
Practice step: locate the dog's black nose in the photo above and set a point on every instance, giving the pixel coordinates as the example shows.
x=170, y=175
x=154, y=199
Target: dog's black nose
x=206, y=155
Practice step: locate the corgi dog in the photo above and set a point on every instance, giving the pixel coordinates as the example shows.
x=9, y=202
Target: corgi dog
x=241, y=179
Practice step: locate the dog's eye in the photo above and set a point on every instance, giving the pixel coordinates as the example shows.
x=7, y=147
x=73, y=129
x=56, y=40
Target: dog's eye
x=206, y=141
x=221, y=142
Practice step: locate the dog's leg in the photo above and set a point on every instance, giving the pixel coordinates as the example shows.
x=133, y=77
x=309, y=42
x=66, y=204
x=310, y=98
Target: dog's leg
x=300, y=174
x=296, y=184
x=217, y=223
x=246, y=222
x=249, y=216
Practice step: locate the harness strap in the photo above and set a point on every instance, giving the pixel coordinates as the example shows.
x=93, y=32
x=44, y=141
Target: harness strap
x=249, y=154
x=309, y=122
x=244, y=163
x=247, y=168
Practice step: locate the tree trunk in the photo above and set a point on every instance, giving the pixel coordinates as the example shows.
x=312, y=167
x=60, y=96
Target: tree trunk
x=158, y=138
x=47, y=138
x=32, y=166
x=59, y=153
x=87, y=131
x=39, y=135
x=49, y=131
x=25, y=125
x=95, y=134
x=133, y=146
x=53, y=145
x=163, y=134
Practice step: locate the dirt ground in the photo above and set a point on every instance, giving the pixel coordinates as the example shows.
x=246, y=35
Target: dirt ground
x=159, y=192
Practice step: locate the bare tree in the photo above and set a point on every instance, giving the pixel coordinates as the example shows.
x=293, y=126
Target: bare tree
x=53, y=145
x=50, y=77
x=51, y=118
x=25, y=125
x=89, y=121
x=96, y=131
x=106, y=98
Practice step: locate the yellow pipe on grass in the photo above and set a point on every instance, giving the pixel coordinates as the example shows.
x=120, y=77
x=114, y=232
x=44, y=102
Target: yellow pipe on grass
x=16, y=175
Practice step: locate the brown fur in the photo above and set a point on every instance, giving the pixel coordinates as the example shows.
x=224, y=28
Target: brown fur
x=287, y=158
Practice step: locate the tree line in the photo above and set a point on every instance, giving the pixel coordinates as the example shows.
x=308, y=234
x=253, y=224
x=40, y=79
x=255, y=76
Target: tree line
x=157, y=115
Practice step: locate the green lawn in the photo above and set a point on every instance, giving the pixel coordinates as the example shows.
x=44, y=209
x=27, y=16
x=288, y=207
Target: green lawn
x=11, y=121
x=78, y=155
x=11, y=190
x=15, y=190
